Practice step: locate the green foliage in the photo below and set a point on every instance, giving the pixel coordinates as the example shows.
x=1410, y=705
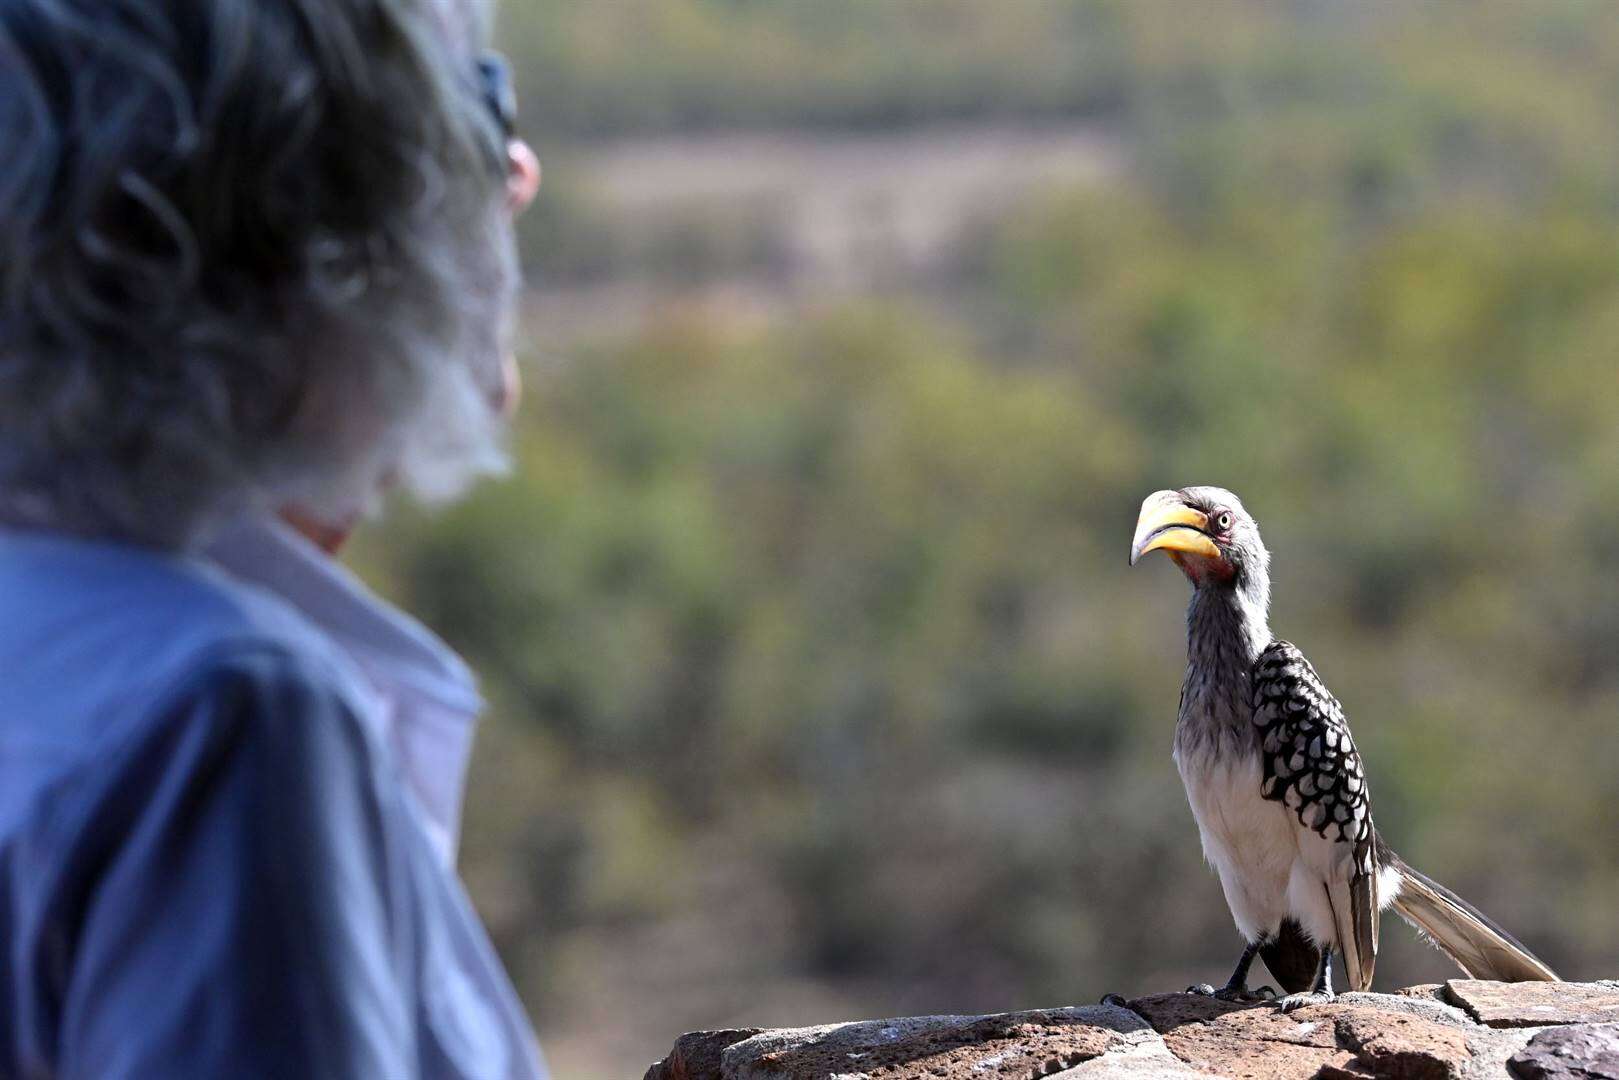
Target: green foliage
x=656, y=65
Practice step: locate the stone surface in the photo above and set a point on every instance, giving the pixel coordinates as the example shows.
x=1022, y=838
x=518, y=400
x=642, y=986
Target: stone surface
x=1535, y=1004
x=1575, y=1052
x=1244, y=1041
x=1398, y=1045
x=1423, y=1033
x=1140, y=1053
x=696, y=1055
x=1429, y=1008
x=1039, y=1043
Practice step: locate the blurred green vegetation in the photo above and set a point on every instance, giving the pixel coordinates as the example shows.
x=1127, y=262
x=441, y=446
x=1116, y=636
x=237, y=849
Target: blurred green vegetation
x=673, y=65
x=819, y=683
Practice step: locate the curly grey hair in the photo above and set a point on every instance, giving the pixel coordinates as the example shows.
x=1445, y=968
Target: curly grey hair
x=252, y=253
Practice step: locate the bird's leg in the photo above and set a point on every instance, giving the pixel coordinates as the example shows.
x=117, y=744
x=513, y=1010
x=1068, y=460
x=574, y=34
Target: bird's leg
x=1236, y=987
x=1321, y=993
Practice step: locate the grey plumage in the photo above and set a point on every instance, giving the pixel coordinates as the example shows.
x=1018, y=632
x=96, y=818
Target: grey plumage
x=1276, y=784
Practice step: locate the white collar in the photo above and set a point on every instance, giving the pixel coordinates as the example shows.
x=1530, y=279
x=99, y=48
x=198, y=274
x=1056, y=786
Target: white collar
x=268, y=553
x=429, y=702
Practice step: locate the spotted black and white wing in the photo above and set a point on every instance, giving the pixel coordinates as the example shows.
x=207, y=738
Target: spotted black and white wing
x=1311, y=766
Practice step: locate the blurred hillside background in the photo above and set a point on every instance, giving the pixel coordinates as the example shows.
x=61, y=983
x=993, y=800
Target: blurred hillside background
x=857, y=332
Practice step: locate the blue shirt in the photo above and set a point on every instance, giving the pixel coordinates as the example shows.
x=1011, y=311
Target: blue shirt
x=228, y=791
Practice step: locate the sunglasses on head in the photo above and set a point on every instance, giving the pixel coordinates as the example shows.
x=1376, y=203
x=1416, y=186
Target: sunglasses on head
x=499, y=96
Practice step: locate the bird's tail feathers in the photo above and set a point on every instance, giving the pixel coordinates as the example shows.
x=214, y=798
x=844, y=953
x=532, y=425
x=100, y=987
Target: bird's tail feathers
x=1457, y=928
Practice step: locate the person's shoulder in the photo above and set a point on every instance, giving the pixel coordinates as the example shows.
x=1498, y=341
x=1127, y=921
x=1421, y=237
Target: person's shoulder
x=48, y=580
x=116, y=659
x=287, y=707
x=100, y=637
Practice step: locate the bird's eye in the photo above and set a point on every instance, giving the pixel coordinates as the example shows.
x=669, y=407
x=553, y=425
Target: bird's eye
x=1223, y=522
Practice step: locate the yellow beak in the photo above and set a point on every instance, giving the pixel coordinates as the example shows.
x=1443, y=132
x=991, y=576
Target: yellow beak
x=1168, y=524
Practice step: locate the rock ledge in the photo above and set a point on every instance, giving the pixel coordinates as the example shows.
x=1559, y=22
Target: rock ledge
x=1461, y=1030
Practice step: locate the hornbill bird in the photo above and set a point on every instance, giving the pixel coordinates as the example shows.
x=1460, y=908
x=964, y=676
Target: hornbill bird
x=1276, y=784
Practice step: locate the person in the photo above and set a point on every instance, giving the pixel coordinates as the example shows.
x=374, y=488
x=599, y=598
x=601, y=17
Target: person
x=256, y=268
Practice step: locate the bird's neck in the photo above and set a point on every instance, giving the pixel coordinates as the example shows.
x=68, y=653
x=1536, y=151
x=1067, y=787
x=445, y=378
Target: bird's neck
x=1226, y=630
x=1226, y=627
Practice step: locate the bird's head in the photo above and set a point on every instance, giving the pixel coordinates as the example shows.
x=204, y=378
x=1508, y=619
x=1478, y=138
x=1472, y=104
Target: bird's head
x=1209, y=535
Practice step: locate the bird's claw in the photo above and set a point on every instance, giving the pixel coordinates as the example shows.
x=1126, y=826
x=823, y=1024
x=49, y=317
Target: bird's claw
x=1201, y=989
x=1299, y=1001
x=1266, y=993
x=1115, y=999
